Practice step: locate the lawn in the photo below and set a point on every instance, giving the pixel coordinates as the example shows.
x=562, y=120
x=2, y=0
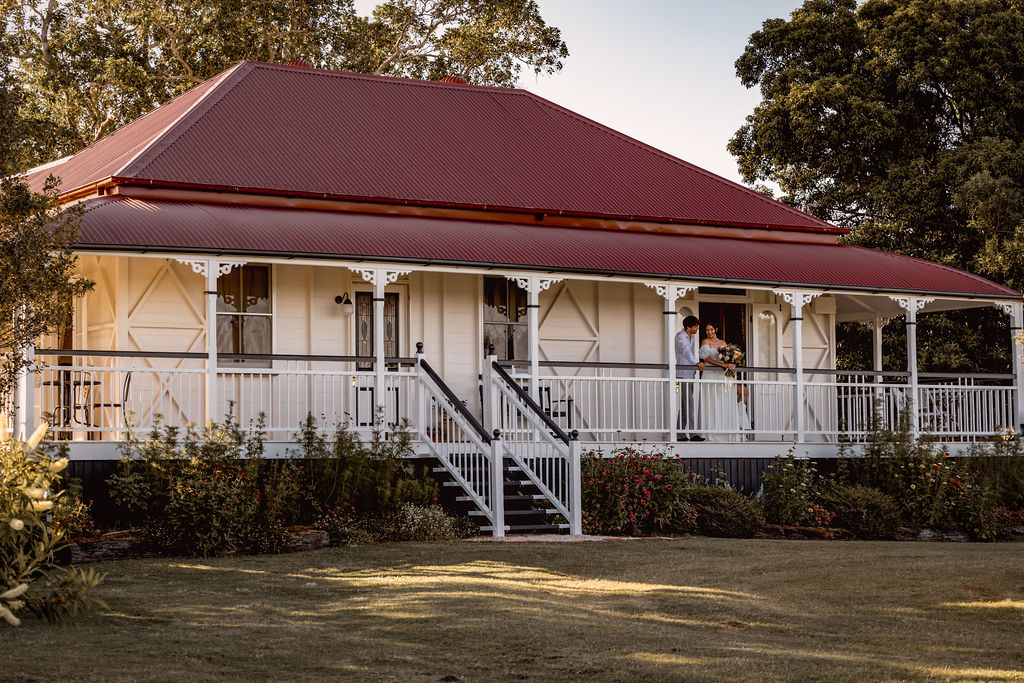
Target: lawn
x=688, y=608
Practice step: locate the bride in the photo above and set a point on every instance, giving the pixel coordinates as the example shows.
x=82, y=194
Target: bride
x=722, y=409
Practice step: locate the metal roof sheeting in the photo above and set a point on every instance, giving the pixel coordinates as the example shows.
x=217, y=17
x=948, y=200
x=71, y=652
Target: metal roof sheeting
x=292, y=130
x=122, y=223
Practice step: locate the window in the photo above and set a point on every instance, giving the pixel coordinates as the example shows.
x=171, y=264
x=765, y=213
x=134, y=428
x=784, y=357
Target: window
x=505, y=322
x=364, y=327
x=243, y=313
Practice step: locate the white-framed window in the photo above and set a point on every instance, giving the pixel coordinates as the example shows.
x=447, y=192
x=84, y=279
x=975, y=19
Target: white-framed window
x=505, y=322
x=244, y=314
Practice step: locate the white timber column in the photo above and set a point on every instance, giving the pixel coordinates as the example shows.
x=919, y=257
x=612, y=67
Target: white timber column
x=912, y=305
x=1016, y=312
x=380, y=278
x=211, y=270
x=797, y=301
x=876, y=338
x=671, y=294
x=22, y=419
x=534, y=285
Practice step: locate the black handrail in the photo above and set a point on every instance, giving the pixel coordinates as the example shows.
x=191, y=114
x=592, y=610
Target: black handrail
x=525, y=397
x=455, y=401
x=115, y=354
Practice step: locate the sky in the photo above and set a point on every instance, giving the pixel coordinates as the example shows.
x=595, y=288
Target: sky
x=660, y=71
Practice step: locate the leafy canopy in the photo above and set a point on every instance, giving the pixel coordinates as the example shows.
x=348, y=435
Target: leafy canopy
x=903, y=120
x=92, y=66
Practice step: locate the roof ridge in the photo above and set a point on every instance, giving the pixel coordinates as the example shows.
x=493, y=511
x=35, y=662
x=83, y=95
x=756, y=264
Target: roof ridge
x=670, y=157
x=154, y=140
x=397, y=80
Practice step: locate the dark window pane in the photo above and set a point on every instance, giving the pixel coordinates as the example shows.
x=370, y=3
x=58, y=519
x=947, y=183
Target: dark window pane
x=495, y=299
x=256, y=289
x=229, y=292
x=228, y=329
x=255, y=334
x=518, y=296
x=520, y=341
x=497, y=335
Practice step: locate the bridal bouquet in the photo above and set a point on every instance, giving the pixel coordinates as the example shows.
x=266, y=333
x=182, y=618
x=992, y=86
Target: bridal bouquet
x=730, y=353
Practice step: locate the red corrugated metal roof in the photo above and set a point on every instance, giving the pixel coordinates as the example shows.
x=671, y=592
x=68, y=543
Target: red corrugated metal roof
x=121, y=223
x=292, y=130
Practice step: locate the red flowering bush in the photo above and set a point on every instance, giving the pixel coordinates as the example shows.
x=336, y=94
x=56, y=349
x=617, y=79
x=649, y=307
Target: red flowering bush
x=634, y=493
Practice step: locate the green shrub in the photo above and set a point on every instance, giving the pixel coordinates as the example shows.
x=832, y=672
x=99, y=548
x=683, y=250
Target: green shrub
x=343, y=528
x=192, y=491
x=790, y=493
x=29, y=578
x=724, y=512
x=422, y=523
x=341, y=472
x=634, y=493
x=865, y=512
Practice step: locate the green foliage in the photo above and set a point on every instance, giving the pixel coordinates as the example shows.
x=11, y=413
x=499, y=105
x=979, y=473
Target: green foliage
x=86, y=69
x=195, y=491
x=634, y=493
x=791, y=495
x=29, y=579
x=341, y=472
x=428, y=523
x=724, y=512
x=902, y=121
x=863, y=511
x=409, y=523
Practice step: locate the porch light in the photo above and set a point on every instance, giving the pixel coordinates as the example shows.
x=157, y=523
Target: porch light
x=347, y=307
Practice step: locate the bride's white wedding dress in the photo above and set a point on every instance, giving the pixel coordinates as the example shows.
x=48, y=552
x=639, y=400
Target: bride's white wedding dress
x=722, y=417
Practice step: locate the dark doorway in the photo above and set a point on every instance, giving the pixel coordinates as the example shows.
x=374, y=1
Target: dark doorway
x=729, y=319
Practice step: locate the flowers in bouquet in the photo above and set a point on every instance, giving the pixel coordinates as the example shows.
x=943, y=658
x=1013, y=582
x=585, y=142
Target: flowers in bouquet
x=730, y=353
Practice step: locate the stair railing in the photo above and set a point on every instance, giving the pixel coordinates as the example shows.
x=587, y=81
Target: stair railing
x=548, y=456
x=457, y=439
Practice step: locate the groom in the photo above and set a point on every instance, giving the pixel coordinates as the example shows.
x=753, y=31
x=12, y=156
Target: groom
x=685, y=360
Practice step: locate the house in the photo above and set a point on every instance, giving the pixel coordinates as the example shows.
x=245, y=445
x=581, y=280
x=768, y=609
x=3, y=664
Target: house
x=289, y=240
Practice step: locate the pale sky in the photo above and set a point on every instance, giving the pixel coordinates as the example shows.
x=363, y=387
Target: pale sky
x=660, y=71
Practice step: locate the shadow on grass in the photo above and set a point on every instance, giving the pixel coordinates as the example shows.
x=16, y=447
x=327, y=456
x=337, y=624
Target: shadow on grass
x=685, y=608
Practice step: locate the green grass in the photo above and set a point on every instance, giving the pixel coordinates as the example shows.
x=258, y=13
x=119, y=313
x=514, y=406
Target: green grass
x=689, y=608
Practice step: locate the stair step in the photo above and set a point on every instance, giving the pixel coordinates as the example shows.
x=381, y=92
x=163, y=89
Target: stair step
x=526, y=496
x=515, y=513
x=490, y=528
x=536, y=527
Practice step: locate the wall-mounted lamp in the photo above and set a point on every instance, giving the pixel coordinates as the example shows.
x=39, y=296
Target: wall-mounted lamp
x=347, y=307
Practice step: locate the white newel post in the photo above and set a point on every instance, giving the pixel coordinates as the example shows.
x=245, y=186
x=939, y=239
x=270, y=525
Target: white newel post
x=911, y=305
x=421, y=394
x=575, y=486
x=797, y=301
x=1016, y=325
x=492, y=420
x=497, y=486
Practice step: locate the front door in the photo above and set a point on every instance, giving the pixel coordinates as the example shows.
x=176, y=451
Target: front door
x=365, y=400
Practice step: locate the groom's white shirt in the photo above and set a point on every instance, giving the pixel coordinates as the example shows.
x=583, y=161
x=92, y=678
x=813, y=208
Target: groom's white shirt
x=685, y=354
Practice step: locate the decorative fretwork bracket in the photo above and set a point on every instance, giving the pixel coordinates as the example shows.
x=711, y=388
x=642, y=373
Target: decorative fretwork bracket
x=669, y=292
x=534, y=283
x=370, y=275
x=906, y=302
x=201, y=266
x=1005, y=307
x=796, y=298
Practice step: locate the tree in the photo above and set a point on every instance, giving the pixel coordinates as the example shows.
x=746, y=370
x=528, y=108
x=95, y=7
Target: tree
x=37, y=282
x=903, y=120
x=95, y=65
